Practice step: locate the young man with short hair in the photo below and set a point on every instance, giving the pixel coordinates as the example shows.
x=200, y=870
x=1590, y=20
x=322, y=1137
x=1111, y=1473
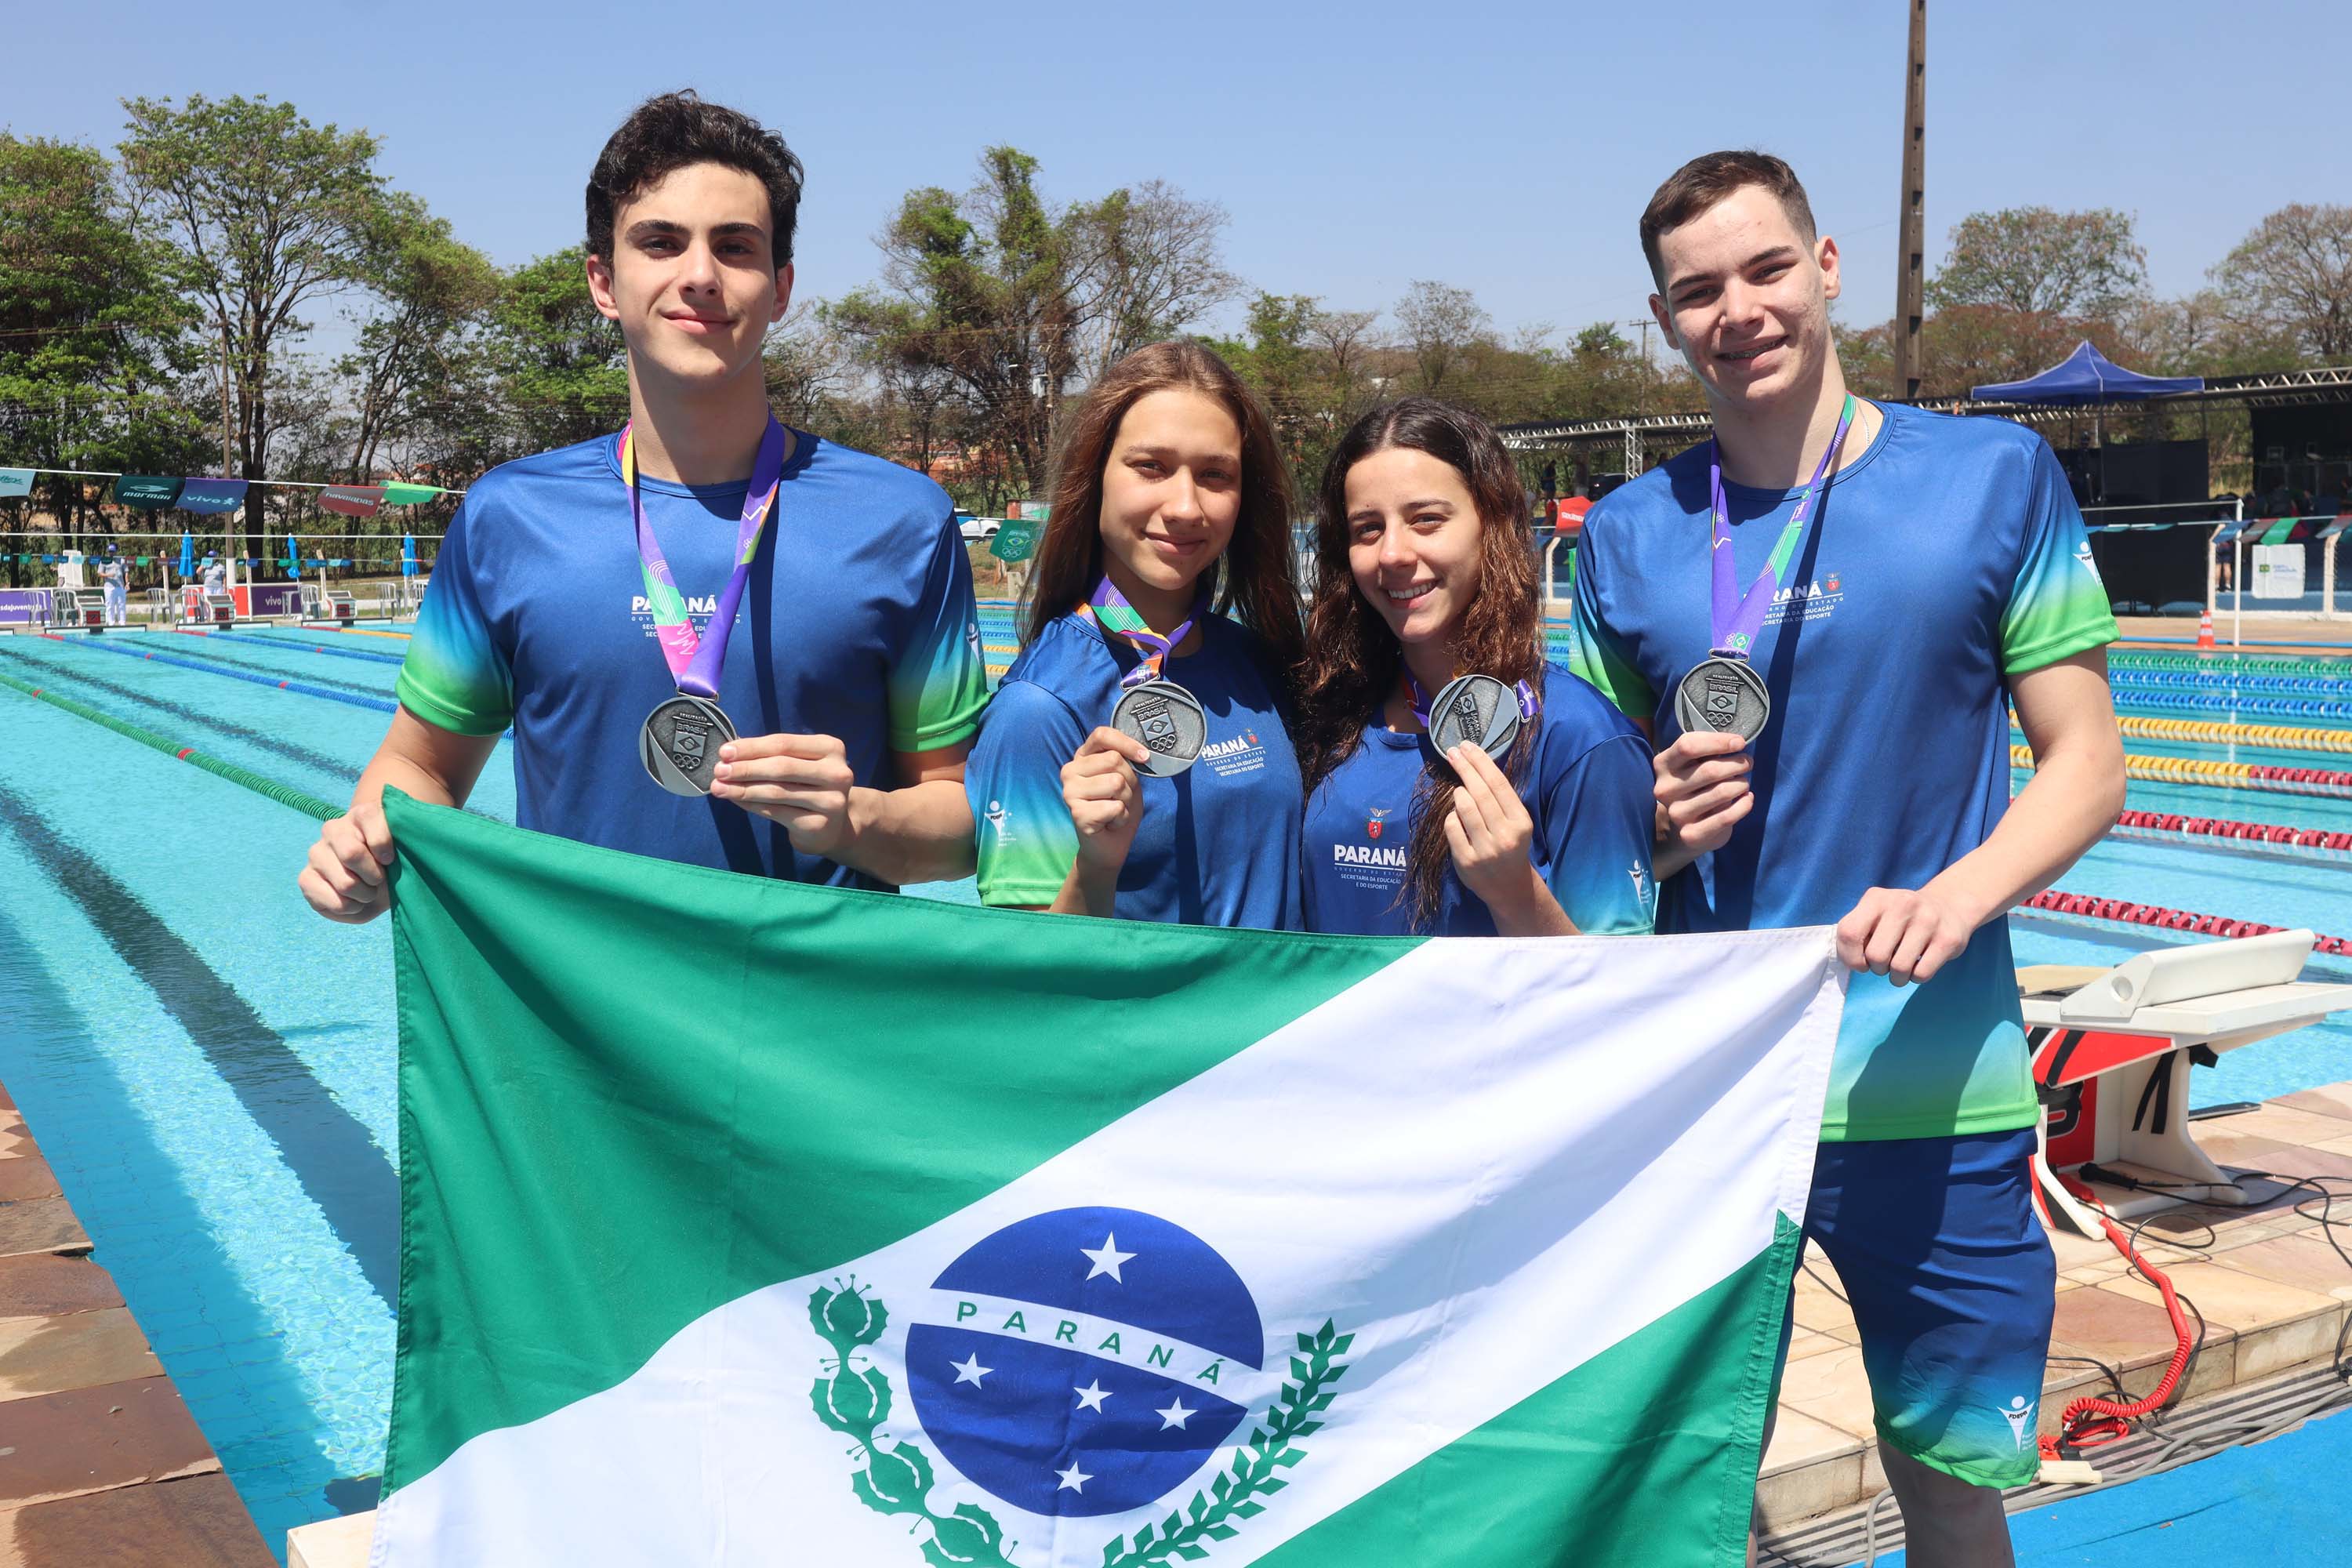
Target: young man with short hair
x=587, y=596
x=1938, y=575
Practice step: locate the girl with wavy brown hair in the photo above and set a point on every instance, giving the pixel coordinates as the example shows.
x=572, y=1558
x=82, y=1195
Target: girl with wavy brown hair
x=1167, y=553
x=1426, y=573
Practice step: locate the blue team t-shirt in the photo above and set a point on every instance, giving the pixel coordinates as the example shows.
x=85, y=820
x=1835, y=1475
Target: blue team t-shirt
x=1945, y=559
x=858, y=622
x=1218, y=844
x=1586, y=787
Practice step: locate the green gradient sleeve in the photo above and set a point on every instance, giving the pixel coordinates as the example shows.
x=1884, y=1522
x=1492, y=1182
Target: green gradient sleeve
x=940, y=683
x=1027, y=840
x=1593, y=652
x=455, y=675
x=2057, y=606
x=1598, y=828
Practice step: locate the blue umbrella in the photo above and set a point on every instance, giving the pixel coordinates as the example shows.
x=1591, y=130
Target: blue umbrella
x=293, y=559
x=408, y=555
x=187, y=556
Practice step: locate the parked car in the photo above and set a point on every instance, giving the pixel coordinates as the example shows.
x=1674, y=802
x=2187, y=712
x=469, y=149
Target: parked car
x=977, y=530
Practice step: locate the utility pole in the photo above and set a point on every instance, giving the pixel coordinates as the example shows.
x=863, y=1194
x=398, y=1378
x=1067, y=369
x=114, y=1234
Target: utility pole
x=1911, y=249
x=1645, y=324
x=228, y=464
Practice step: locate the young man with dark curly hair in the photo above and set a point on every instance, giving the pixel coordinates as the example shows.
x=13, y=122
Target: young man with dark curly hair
x=717, y=640
x=1828, y=664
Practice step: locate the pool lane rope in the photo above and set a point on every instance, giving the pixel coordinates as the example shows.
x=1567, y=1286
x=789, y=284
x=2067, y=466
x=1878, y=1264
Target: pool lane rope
x=2261, y=707
x=2224, y=662
x=2206, y=731
x=310, y=806
x=294, y=647
x=2125, y=912
x=2179, y=823
x=2222, y=775
x=375, y=704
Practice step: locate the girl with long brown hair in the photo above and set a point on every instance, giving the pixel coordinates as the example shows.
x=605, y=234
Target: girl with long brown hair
x=1166, y=556
x=1425, y=572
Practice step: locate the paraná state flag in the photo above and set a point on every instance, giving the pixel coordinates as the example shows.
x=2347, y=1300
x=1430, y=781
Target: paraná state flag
x=751, y=1223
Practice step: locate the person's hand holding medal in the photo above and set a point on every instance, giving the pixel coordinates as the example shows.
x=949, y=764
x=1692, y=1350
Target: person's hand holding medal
x=1156, y=727
x=1472, y=723
x=688, y=745
x=1723, y=704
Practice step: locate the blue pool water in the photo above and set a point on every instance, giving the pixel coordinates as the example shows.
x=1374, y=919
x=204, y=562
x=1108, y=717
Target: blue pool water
x=210, y=1069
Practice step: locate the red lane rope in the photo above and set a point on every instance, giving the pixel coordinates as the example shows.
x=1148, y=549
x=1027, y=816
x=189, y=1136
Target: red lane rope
x=2222, y=827
x=2055, y=902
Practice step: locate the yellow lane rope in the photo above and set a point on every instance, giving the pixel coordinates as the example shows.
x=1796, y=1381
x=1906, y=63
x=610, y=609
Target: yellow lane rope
x=2285, y=737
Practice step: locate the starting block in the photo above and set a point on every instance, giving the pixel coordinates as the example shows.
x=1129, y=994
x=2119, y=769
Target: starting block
x=220, y=610
x=2112, y=1049
x=82, y=607
x=340, y=605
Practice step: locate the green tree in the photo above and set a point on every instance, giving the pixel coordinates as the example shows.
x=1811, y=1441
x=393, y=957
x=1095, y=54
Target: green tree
x=271, y=213
x=1015, y=299
x=93, y=331
x=428, y=293
x=2292, y=276
x=563, y=370
x=1440, y=323
x=2037, y=261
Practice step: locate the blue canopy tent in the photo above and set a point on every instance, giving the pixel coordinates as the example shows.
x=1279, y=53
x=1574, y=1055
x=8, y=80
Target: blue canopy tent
x=2086, y=376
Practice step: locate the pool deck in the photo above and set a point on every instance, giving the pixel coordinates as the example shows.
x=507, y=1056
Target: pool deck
x=99, y=1460
x=2273, y=1294
x=2265, y=632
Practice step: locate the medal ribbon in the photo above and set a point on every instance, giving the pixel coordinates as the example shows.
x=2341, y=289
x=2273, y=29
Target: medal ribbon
x=1115, y=615
x=695, y=660
x=1736, y=621
x=1420, y=699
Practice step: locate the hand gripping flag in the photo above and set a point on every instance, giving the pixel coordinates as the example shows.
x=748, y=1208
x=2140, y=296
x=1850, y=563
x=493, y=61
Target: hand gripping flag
x=749, y=1223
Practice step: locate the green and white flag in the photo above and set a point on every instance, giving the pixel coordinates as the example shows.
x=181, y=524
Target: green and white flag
x=747, y=1223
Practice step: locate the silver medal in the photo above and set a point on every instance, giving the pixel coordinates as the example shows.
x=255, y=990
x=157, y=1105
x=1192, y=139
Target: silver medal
x=1167, y=719
x=1475, y=709
x=679, y=745
x=1723, y=696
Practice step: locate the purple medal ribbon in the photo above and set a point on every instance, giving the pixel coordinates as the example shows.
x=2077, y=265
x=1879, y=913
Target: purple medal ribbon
x=695, y=661
x=1736, y=620
x=1114, y=614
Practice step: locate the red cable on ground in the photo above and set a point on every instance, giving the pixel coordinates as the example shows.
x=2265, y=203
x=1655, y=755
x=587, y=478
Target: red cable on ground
x=2055, y=902
x=2222, y=827
x=2091, y=1421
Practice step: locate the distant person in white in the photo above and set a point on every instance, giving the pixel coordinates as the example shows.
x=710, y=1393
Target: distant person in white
x=116, y=588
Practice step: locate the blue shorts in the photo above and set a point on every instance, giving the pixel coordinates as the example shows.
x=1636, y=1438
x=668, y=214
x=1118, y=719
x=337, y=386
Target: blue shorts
x=1953, y=1284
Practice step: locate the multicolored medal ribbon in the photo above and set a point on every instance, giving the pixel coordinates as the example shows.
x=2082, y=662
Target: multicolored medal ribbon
x=1151, y=708
x=1475, y=709
x=680, y=741
x=1724, y=692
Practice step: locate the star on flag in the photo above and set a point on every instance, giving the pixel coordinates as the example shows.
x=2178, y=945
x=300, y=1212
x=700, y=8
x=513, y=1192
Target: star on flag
x=969, y=1370
x=1092, y=1396
x=1074, y=1480
x=1107, y=1258
x=1175, y=1416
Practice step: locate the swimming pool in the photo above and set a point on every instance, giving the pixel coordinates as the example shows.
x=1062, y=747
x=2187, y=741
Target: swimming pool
x=210, y=1069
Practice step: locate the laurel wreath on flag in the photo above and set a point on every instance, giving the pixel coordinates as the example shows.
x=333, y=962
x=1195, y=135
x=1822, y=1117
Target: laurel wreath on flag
x=856, y=1402
x=1271, y=1447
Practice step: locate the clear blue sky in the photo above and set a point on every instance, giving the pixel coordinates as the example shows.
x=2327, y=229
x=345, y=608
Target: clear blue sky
x=1505, y=148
